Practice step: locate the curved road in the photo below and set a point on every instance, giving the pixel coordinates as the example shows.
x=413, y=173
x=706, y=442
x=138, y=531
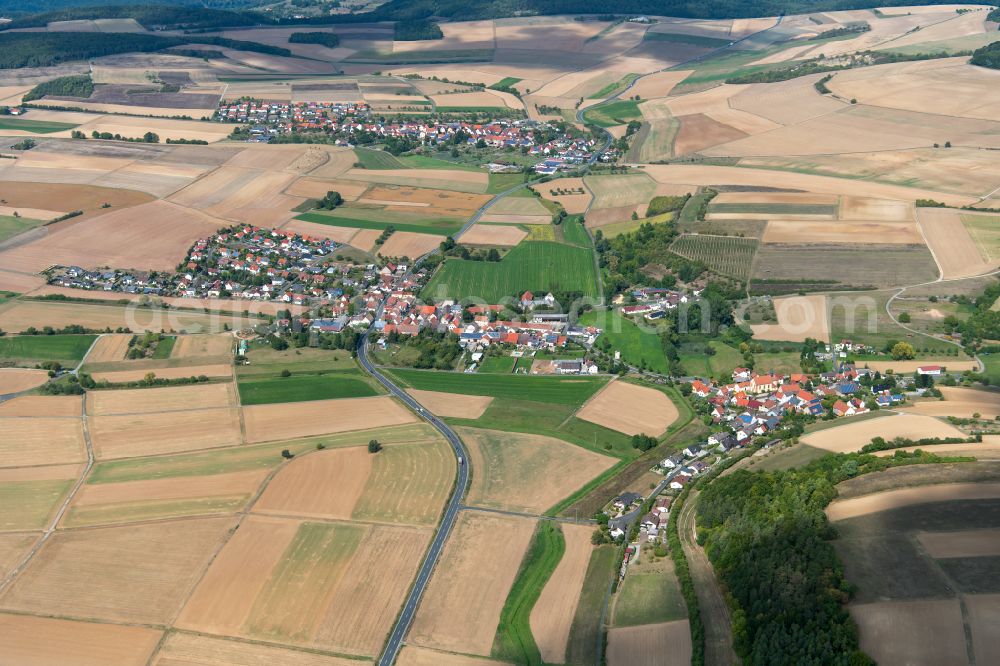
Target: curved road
x=451, y=511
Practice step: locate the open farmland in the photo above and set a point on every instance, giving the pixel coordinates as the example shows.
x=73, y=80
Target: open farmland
x=274, y=422
x=197, y=650
x=452, y=404
x=18, y=316
x=41, y=440
x=37, y=640
x=461, y=607
x=852, y=436
x=300, y=388
x=527, y=473
x=799, y=317
x=555, y=390
x=949, y=238
x=651, y=644
x=552, y=615
x=962, y=403
x=29, y=496
x=531, y=266
x=15, y=380
x=726, y=255
x=870, y=265
x=45, y=347
x=630, y=409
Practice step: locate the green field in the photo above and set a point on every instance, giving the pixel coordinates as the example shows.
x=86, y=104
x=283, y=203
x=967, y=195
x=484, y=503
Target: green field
x=574, y=233
x=617, y=86
x=775, y=208
x=11, y=226
x=364, y=218
x=502, y=364
x=615, y=113
x=628, y=226
x=501, y=182
x=985, y=230
x=556, y=390
x=505, y=82
x=302, y=388
x=531, y=266
x=377, y=159
x=27, y=505
x=46, y=347
x=164, y=347
x=725, y=255
x=582, y=648
x=306, y=360
x=648, y=598
x=638, y=347
x=34, y=126
x=514, y=641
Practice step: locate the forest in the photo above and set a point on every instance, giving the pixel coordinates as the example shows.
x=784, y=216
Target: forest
x=988, y=56
x=150, y=16
x=65, y=86
x=41, y=49
x=327, y=39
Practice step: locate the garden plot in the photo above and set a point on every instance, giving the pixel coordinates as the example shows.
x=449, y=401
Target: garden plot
x=630, y=409
x=461, y=607
x=527, y=473
x=95, y=573
x=799, y=317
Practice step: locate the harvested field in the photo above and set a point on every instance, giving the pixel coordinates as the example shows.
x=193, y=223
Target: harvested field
x=241, y=194
x=342, y=235
x=799, y=317
x=165, y=128
x=907, y=367
x=34, y=641
x=519, y=206
x=574, y=203
x=960, y=402
x=699, y=131
x=869, y=266
x=665, y=644
x=109, y=348
x=506, y=218
x=967, y=543
x=190, y=347
x=658, y=85
x=911, y=632
x=29, y=495
x=430, y=202
x=984, y=615
x=461, y=608
x=812, y=231
x=326, y=484
x=493, y=234
x=41, y=441
x=409, y=244
x=852, y=436
x=316, y=188
x=13, y=548
x=777, y=198
x=630, y=409
x=411, y=655
x=129, y=435
x=130, y=501
x=15, y=380
x=619, y=191
x=43, y=405
x=192, y=650
x=986, y=450
x=440, y=179
x=553, y=613
x=153, y=236
x=452, y=405
x=364, y=239
x=18, y=316
x=955, y=251
x=118, y=376
x=306, y=419
x=882, y=210
x=894, y=499
x=95, y=573
x=168, y=399
x=527, y=473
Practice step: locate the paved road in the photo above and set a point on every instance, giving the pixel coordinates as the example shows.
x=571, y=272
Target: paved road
x=405, y=618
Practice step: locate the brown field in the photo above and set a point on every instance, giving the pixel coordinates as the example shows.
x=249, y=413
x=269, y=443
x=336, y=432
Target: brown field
x=664, y=644
x=338, y=161
x=476, y=99
x=911, y=632
x=166, y=128
x=439, y=179
x=34, y=641
x=338, y=234
x=431, y=202
x=882, y=210
x=519, y=206
x=171, y=398
x=984, y=616
x=411, y=655
x=720, y=175
x=241, y=194
x=19, y=283
x=32, y=213
x=187, y=306
x=364, y=239
x=192, y=650
x=813, y=231
x=906, y=367
x=409, y=244
x=528, y=473
x=41, y=441
x=452, y=405
x=961, y=402
x=315, y=188
x=15, y=380
x=109, y=348
x=506, y=218
x=326, y=484
x=894, y=499
x=658, y=85
x=698, y=131
x=493, y=234
x=32, y=494
x=573, y=203
x=43, y=405
x=153, y=236
x=116, y=376
x=461, y=607
x=630, y=409
x=202, y=346
x=96, y=573
x=553, y=613
x=799, y=317
x=13, y=548
x=266, y=423
x=269, y=583
x=852, y=436
x=107, y=503
x=776, y=198
x=130, y=435
x=968, y=543
x=988, y=449
x=956, y=253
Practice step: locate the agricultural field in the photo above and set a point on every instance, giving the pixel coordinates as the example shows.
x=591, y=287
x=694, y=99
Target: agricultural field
x=852, y=436
x=300, y=387
x=11, y=225
x=799, y=317
x=35, y=348
x=631, y=409
x=554, y=390
x=531, y=266
x=726, y=255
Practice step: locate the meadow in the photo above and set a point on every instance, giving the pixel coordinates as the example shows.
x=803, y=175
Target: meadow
x=34, y=126
x=554, y=390
x=615, y=113
x=536, y=266
x=638, y=346
x=301, y=388
x=46, y=347
x=11, y=226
